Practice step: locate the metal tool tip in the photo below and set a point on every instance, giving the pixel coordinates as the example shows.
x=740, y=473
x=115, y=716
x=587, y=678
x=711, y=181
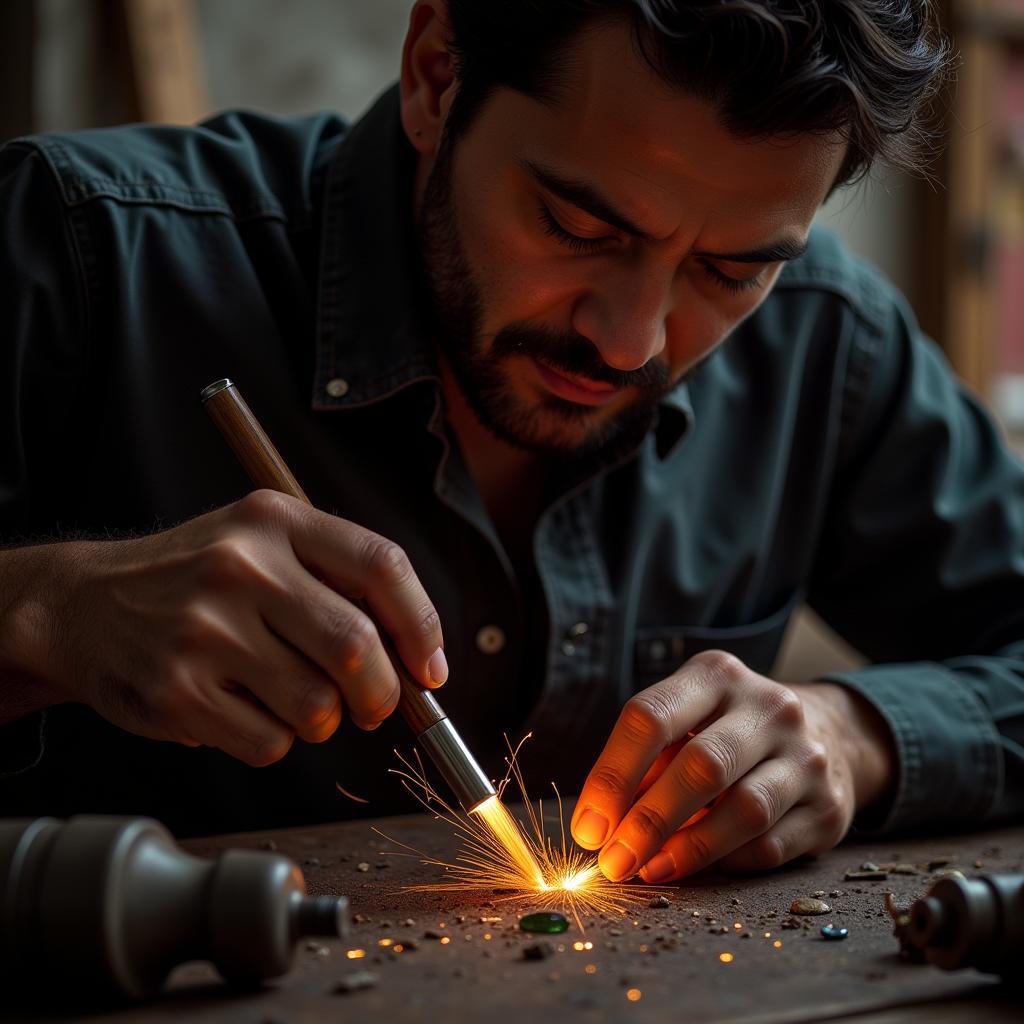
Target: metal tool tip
x=217, y=386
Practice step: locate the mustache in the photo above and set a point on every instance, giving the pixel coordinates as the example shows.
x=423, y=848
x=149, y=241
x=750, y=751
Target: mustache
x=574, y=354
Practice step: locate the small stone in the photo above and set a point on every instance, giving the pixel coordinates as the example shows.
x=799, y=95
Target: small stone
x=355, y=981
x=869, y=865
x=659, y=903
x=790, y=922
x=362, y=866
x=938, y=862
x=949, y=873
x=979, y=863
x=538, y=951
x=694, y=913
x=865, y=876
x=360, y=918
x=720, y=930
x=904, y=869
x=614, y=931
x=408, y=922
x=818, y=893
x=834, y=934
x=547, y=921
x=311, y=862
x=803, y=905
x=734, y=901
x=834, y=893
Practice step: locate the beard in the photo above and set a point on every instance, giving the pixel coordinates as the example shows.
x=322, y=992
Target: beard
x=547, y=425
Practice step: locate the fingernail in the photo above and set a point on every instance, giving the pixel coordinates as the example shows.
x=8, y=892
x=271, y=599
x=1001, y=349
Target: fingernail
x=437, y=667
x=618, y=862
x=591, y=829
x=659, y=868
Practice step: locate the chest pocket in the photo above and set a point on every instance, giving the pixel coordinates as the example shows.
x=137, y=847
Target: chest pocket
x=659, y=650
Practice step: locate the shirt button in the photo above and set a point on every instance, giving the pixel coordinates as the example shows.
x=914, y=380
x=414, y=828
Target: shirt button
x=336, y=387
x=573, y=637
x=490, y=639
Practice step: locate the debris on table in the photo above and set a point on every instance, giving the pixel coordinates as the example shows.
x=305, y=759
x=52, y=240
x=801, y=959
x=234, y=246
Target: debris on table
x=356, y=981
x=808, y=905
x=834, y=933
x=548, y=921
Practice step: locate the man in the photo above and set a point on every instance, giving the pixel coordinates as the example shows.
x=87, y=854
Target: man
x=550, y=334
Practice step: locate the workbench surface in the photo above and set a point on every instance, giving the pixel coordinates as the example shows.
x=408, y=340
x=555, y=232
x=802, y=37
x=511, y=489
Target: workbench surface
x=670, y=956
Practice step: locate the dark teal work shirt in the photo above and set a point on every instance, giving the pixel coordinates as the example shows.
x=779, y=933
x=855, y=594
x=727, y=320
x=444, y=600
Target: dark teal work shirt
x=825, y=453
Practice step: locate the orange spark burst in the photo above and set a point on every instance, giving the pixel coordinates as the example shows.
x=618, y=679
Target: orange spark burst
x=499, y=852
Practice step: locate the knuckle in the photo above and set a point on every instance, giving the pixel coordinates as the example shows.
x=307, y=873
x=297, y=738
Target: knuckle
x=721, y=664
x=649, y=824
x=606, y=781
x=350, y=640
x=699, y=853
x=228, y=562
x=198, y=632
x=264, y=505
x=756, y=807
x=387, y=560
x=263, y=749
x=769, y=851
x=646, y=719
x=379, y=711
x=706, y=763
x=783, y=707
x=816, y=760
x=430, y=623
x=316, y=704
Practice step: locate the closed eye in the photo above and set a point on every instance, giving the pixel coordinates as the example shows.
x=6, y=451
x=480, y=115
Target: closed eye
x=578, y=243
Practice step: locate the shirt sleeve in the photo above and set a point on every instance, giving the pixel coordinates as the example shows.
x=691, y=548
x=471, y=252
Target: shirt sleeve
x=42, y=310
x=922, y=568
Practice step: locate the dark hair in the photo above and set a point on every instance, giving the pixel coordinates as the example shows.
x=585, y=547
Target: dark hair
x=869, y=69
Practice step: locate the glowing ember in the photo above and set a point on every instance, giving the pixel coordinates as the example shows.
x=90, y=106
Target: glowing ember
x=633, y=995
x=498, y=852
x=726, y=958
x=355, y=954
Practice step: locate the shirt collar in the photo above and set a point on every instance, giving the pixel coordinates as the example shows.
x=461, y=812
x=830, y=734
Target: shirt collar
x=369, y=340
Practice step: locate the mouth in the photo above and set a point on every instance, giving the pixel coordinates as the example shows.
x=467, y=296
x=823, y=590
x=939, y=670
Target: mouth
x=581, y=390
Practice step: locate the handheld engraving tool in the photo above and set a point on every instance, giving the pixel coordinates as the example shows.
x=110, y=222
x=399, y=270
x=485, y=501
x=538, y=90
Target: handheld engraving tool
x=434, y=731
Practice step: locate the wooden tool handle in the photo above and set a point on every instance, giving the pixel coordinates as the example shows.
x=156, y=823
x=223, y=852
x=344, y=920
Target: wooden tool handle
x=262, y=461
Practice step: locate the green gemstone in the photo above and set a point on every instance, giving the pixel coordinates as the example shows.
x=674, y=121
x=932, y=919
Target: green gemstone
x=546, y=921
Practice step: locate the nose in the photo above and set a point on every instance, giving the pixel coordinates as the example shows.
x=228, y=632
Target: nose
x=623, y=315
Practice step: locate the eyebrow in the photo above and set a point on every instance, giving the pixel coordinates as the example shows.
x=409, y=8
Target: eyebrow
x=587, y=198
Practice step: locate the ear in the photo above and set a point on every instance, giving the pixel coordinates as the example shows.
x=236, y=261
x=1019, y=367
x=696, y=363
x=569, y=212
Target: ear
x=428, y=76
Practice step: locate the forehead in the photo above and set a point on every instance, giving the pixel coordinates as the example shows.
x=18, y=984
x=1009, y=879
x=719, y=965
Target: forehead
x=619, y=125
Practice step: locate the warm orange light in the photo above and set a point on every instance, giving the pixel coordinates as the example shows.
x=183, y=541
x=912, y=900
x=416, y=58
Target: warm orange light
x=445, y=940
x=355, y=954
x=633, y=995
x=498, y=852
x=591, y=968
x=777, y=943
x=506, y=830
x=726, y=958
x=385, y=942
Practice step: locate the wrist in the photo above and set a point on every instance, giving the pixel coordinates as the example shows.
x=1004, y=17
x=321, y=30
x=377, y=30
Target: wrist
x=31, y=589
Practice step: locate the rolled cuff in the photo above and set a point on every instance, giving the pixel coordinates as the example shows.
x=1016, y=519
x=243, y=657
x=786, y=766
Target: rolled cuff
x=950, y=769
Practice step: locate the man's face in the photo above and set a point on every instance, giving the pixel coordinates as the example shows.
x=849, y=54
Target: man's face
x=584, y=258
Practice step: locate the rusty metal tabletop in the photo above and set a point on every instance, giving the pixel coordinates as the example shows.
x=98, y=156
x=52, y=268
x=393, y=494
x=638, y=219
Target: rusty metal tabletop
x=652, y=964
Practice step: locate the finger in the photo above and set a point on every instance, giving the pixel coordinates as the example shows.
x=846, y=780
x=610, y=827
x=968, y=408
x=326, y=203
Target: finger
x=650, y=721
x=338, y=637
x=705, y=767
x=292, y=687
x=798, y=832
x=746, y=811
x=230, y=721
x=362, y=564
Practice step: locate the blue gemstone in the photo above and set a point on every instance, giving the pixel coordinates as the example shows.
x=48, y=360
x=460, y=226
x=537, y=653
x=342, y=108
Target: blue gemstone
x=830, y=931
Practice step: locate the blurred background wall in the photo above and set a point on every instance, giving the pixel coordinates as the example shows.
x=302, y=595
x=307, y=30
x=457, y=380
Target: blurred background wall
x=954, y=246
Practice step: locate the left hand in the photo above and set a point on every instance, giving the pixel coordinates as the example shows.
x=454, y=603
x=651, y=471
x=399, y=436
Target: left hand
x=784, y=768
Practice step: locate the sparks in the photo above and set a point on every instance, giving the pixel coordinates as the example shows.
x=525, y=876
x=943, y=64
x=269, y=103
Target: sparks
x=500, y=852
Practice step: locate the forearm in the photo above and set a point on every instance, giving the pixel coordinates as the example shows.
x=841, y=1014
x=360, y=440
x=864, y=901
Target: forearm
x=30, y=598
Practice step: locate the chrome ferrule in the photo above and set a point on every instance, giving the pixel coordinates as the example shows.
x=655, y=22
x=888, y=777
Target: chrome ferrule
x=456, y=764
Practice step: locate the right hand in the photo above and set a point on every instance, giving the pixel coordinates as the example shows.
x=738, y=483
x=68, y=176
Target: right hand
x=238, y=629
